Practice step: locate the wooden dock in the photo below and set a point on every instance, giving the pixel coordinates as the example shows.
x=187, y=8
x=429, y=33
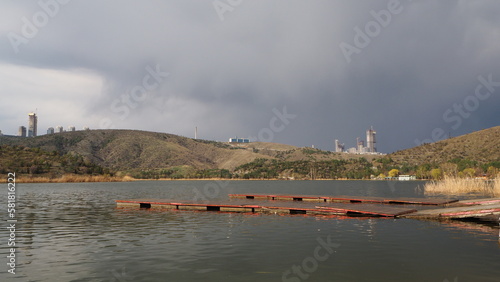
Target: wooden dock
x=486, y=209
x=346, y=199
x=271, y=207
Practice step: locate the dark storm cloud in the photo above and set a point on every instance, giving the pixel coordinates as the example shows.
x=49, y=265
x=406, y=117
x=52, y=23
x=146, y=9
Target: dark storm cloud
x=226, y=76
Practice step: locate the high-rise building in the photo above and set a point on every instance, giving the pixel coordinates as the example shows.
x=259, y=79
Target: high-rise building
x=370, y=140
x=360, y=145
x=32, y=125
x=22, y=131
x=50, y=130
x=339, y=148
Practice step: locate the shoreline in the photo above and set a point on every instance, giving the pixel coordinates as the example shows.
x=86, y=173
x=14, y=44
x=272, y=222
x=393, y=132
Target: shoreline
x=100, y=178
x=69, y=179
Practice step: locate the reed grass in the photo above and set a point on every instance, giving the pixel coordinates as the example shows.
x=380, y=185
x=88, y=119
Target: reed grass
x=463, y=186
x=70, y=178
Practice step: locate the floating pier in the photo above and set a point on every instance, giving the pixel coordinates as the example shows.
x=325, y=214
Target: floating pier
x=271, y=207
x=347, y=199
x=486, y=209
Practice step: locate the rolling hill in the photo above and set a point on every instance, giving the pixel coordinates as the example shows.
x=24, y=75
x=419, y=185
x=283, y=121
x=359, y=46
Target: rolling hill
x=481, y=146
x=131, y=149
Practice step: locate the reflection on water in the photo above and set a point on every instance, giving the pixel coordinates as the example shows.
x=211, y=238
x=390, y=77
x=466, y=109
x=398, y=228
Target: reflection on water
x=75, y=232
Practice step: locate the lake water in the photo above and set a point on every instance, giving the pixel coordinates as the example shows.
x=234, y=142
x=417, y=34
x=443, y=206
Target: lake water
x=75, y=232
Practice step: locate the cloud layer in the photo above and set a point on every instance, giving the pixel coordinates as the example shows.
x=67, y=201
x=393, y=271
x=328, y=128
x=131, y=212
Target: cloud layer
x=224, y=66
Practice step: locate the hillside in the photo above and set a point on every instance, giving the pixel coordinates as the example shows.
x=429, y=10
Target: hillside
x=23, y=160
x=142, y=154
x=130, y=149
x=481, y=146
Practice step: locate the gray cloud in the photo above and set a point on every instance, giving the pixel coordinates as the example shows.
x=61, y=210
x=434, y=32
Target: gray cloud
x=227, y=76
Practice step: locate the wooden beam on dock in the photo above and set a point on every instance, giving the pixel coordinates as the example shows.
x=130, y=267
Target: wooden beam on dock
x=368, y=209
x=347, y=199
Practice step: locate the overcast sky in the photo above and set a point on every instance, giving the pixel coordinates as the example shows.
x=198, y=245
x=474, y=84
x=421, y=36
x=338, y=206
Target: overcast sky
x=296, y=72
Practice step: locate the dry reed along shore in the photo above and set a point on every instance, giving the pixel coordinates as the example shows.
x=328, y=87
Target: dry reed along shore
x=463, y=186
x=70, y=178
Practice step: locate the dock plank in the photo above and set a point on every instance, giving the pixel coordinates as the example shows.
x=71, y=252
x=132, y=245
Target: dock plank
x=486, y=201
x=368, y=209
x=348, y=199
x=458, y=212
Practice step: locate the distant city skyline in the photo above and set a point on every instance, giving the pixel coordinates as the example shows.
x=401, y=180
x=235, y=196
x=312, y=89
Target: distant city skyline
x=360, y=148
x=32, y=129
x=337, y=147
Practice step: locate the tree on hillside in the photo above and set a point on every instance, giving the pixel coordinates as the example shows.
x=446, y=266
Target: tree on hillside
x=449, y=169
x=393, y=172
x=422, y=172
x=469, y=172
x=436, y=173
x=492, y=171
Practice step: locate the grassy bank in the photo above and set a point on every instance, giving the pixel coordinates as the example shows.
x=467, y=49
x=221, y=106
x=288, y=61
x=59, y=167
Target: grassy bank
x=70, y=178
x=462, y=186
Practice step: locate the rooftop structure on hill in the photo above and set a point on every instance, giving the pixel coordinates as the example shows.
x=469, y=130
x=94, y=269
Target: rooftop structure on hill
x=239, y=140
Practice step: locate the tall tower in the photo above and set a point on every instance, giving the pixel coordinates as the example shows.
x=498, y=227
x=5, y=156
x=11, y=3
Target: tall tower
x=22, y=131
x=370, y=140
x=339, y=148
x=360, y=145
x=32, y=125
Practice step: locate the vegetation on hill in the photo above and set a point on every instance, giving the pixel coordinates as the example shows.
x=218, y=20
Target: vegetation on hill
x=467, y=156
x=35, y=161
x=305, y=169
x=481, y=146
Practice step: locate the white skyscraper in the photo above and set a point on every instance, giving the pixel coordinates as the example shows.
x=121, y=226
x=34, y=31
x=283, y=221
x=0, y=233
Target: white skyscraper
x=32, y=125
x=370, y=140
